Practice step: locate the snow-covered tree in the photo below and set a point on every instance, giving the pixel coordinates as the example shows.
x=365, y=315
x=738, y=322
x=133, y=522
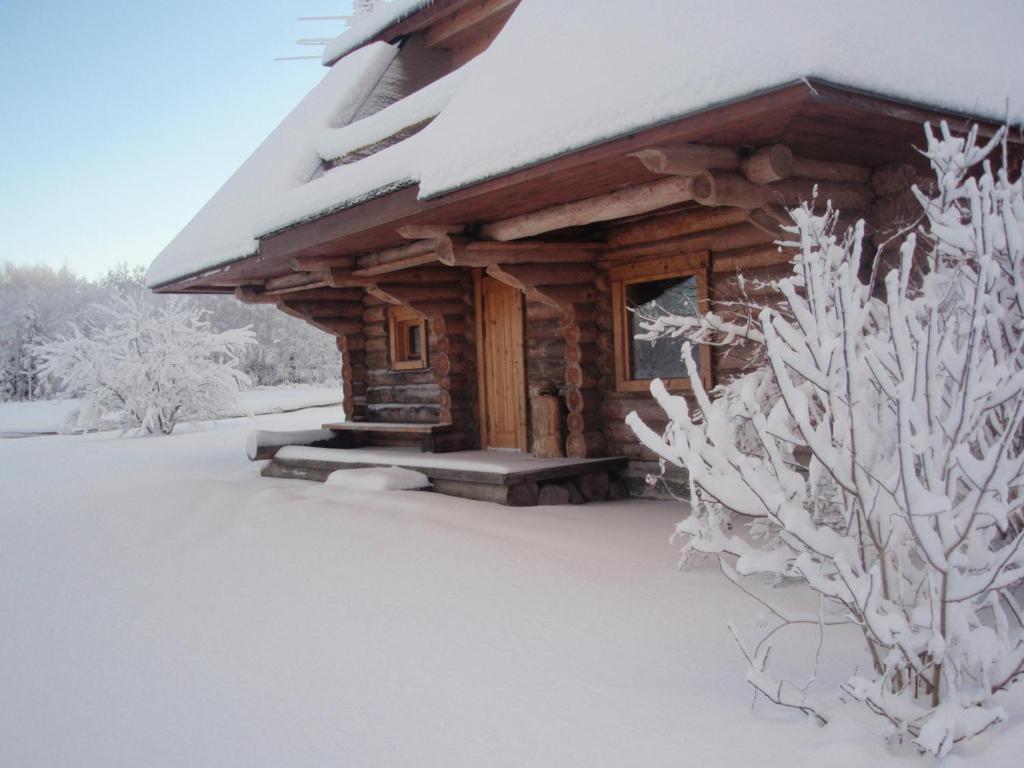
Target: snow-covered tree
x=878, y=454
x=148, y=366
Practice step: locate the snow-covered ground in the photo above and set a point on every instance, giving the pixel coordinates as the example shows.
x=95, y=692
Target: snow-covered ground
x=163, y=605
x=48, y=416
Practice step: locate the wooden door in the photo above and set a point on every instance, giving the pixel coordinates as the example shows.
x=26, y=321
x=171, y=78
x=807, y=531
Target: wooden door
x=502, y=369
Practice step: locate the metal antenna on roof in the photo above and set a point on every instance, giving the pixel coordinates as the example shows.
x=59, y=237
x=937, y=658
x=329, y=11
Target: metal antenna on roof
x=359, y=8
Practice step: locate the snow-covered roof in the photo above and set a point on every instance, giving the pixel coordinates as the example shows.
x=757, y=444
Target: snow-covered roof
x=546, y=87
x=226, y=228
x=364, y=28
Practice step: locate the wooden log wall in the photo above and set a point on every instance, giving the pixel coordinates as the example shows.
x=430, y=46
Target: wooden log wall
x=733, y=212
x=743, y=263
x=561, y=341
x=444, y=391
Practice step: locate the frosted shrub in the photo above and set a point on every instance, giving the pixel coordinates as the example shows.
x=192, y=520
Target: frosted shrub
x=148, y=367
x=905, y=519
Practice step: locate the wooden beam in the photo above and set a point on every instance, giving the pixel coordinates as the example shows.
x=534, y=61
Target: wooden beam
x=687, y=159
x=762, y=166
x=614, y=205
x=315, y=263
x=299, y=281
x=429, y=231
x=752, y=257
x=827, y=171
x=398, y=265
x=731, y=189
x=463, y=19
x=768, y=164
x=674, y=224
x=724, y=239
x=250, y=294
x=484, y=258
x=394, y=254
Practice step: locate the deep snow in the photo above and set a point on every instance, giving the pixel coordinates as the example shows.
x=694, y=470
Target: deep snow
x=163, y=605
x=47, y=416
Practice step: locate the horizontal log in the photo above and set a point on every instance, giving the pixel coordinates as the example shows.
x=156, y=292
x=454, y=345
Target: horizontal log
x=408, y=293
x=316, y=263
x=889, y=180
x=593, y=485
x=823, y=170
x=687, y=159
x=385, y=377
x=662, y=226
x=614, y=205
x=352, y=295
x=264, y=444
x=396, y=254
x=313, y=308
x=751, y=257
x=548, y=274
x=415, y=394
x=554, y=494
x=298, y=281
x=248, y=294
x=726, y=189
x=429, y=231
x=552, y=349
x=564, y=295
x=408, y=262
x=768, y=164
x=519, y=495
x=588, y=444
x=413, y=414
x=616, y=406
x=451, y=308
x=345, y=309
x=725, y=239
x=338, y=325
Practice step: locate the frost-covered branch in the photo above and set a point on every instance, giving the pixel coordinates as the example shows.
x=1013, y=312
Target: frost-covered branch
x=878, y=453
x=148, y=367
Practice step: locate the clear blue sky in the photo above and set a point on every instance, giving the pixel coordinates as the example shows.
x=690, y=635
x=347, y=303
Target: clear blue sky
x=120, y=119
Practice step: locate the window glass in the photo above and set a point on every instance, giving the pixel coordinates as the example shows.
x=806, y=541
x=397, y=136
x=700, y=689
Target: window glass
x=414, y=341
x=662, y=358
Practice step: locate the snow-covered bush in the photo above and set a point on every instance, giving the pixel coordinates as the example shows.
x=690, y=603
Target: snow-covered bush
x=148, y=367
x=905, y=518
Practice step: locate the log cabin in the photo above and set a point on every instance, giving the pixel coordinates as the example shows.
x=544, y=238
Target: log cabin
x=479, y=193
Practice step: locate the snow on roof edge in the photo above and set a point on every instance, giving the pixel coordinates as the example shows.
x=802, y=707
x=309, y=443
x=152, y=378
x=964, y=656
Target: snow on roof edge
x=810, y=81
x=364, y=29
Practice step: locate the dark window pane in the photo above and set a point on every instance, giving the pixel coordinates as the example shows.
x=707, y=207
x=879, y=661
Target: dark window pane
x=662, y=358
x=415, y=344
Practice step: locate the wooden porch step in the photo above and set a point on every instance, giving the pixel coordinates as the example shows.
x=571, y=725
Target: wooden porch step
x=424, y=432
x=509, y=479
x=386, y=426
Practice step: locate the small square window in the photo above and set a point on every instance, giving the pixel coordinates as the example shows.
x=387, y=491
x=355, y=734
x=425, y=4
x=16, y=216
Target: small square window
x=646, y=291
x=408, y=334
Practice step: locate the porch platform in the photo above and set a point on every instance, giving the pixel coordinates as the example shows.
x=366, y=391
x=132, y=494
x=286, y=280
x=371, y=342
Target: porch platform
x=423, y=433
x=504, y=477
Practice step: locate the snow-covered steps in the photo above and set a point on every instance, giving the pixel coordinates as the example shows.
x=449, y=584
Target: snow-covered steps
x=503, y=477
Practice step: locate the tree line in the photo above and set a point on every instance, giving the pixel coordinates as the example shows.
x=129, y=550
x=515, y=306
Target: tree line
x=39, y=304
